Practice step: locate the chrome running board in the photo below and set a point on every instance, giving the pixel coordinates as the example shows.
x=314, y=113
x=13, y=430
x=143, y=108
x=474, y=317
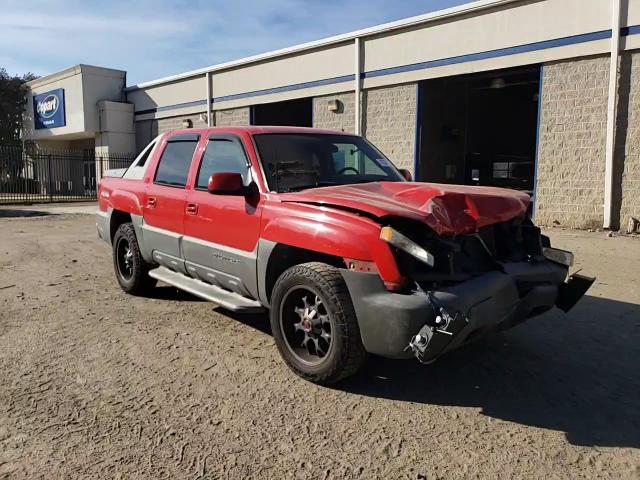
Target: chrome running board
x=226, y=299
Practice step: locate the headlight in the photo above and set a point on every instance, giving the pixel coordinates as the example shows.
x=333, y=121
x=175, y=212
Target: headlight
x=398, y=240
x=559, y=256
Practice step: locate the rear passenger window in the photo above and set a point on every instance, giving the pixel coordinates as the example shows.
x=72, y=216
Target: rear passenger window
x=222, y=156
x=174, y=164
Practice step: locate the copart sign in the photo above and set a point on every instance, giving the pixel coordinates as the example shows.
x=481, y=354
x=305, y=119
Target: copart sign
x=48, y=109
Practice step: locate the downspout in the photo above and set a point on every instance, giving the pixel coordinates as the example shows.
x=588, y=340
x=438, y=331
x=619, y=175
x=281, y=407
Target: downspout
x=611, y=114
x=209, y=96
x=358, y=86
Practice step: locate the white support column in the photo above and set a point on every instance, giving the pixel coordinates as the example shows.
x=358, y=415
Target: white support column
x=611, y=114
x=358, y=86
x=209, y=95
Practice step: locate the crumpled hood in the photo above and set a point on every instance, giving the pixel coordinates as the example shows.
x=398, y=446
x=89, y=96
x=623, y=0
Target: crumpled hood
x=447, y=209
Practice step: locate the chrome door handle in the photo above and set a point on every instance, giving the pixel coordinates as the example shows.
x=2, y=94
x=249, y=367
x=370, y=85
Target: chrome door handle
x=151, y=202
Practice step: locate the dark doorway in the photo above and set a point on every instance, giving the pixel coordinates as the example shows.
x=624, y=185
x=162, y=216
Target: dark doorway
x=292, y=113
x=481, y=129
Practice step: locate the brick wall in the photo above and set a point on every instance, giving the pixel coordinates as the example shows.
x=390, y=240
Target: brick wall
x=390, y=122
x=627, y=171
x=232, y=117
x=570, y=189
x=343, y=120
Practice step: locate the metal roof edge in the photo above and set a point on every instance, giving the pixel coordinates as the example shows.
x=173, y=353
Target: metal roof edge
x=459, y=10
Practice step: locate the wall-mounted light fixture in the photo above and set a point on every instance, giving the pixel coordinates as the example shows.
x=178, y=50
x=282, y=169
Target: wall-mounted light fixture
x=187, y=123
x=335, y=106
x=498, y=83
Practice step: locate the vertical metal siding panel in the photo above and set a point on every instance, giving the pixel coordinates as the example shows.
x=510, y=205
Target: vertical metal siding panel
x=535, y=171
x=418, y=138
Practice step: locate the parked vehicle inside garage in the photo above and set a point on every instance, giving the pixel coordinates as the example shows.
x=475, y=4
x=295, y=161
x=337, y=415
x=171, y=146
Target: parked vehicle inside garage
x=318, y=227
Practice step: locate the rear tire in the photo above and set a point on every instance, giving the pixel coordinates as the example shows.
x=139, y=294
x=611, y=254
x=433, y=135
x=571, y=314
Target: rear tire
x=132, y=272
x=314, y=324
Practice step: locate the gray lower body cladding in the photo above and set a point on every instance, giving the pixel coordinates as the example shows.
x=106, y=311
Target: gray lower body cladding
x=495, y=300
x=103, y=221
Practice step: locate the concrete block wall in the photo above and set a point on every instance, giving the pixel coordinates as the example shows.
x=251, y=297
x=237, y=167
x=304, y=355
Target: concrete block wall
x=175, y=123
x=390, y=122
x=233, y=117
x=570, y=188
x=343, y=121
x=627, y=159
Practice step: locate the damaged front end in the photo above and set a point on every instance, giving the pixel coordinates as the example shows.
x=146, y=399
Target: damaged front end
x=461, y=287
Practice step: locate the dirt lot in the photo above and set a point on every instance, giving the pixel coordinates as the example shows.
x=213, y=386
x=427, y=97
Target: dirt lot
x=97, y=384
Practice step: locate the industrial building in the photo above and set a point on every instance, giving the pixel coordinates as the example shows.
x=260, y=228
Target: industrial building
x=516, y=93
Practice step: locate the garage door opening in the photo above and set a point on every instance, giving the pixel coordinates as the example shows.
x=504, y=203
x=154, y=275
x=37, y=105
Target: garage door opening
x=480, y=129
x=292, y=113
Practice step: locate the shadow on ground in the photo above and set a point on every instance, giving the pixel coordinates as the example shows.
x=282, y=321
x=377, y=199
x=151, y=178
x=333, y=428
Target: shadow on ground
x=22, y=213
x=577, y=373
x=172, y=294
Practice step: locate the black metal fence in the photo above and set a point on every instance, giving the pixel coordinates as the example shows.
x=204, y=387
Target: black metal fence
x=34, y=175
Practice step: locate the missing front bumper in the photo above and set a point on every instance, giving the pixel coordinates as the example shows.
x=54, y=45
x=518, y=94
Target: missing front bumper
x=396, y=325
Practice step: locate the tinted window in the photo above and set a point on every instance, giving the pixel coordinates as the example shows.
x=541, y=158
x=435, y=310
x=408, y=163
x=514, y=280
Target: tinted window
x=174, y=164
x=222, y=156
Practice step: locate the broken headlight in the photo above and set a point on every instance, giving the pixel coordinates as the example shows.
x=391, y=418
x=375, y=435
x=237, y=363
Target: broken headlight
x=398, y=240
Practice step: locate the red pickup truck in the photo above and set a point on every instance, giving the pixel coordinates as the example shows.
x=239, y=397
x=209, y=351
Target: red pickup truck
x=347, y=253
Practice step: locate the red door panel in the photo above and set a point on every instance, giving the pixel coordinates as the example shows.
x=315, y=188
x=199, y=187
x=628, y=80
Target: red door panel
x=226, y=220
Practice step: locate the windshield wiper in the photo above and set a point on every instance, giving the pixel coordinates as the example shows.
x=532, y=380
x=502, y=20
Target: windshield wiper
x=297, y=188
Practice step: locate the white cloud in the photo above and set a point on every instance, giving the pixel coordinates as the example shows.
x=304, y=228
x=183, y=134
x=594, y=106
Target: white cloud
x=56, y=23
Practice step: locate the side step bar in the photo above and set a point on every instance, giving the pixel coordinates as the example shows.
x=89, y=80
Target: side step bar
x=226, y=299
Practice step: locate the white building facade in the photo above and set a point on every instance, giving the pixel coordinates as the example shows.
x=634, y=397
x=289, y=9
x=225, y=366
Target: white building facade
x=514, y=93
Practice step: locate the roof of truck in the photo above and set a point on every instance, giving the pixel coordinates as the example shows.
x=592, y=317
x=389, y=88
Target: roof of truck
x=255, y=130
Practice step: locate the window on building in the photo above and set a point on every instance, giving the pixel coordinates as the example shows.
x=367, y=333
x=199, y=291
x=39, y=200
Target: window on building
x=222, y=156
x=175, y=162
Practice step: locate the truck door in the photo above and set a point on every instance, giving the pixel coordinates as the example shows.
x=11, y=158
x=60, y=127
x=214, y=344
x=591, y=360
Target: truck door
x=164, y=210
x=222, y=231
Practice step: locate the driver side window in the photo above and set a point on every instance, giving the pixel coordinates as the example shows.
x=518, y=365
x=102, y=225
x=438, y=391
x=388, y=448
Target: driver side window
x=222, y=156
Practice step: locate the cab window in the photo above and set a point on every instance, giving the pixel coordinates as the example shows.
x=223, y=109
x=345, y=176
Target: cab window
x=222, y=156
x=173, y=168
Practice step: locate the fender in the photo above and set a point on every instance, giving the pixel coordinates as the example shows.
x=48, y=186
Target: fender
x=125, y=201
x=331, y=232
x=325, y=238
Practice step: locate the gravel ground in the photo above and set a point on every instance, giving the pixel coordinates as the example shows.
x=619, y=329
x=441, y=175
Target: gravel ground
x=98, y=384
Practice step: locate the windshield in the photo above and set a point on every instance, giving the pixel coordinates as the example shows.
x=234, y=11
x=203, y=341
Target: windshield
x=294, y=162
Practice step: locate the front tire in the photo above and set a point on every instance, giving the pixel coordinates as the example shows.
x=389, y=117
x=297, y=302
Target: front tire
x=132, y=272
x=314, y=324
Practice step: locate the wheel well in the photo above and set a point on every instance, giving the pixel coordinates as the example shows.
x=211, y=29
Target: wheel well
x=117, y=219
x=283, y=257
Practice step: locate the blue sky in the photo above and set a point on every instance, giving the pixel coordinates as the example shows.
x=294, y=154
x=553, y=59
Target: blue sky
x=155, y=38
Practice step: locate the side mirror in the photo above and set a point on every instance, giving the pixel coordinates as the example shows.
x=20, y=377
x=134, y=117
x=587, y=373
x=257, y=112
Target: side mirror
x=226, y=184
x=406, y=174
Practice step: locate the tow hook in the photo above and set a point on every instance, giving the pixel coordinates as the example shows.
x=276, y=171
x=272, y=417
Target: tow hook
x=433, y=338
